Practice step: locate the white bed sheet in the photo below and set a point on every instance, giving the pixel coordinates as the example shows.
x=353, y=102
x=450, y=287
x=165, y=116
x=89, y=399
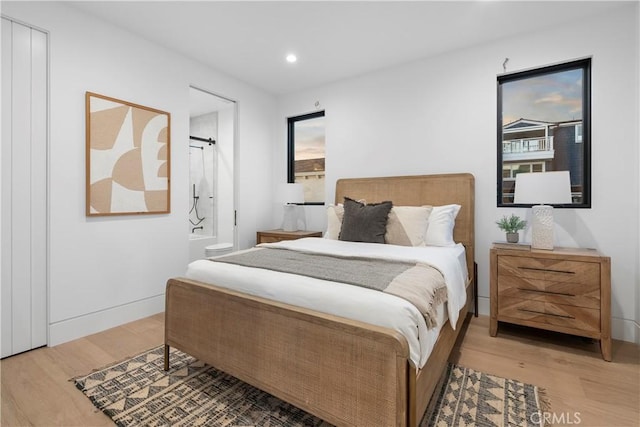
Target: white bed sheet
x=350, y=301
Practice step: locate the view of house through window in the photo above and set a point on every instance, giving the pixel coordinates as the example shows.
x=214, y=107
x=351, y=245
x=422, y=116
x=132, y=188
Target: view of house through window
x=543, y=126
x=306, y=155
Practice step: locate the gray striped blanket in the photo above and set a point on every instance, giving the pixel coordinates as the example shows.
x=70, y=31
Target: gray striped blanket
x=420, y=284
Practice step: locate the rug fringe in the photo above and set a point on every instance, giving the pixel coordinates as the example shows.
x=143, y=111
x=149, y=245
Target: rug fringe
x=543, y=403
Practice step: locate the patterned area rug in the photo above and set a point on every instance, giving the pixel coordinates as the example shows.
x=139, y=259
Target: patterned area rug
x=138, y=392
x=472, y=398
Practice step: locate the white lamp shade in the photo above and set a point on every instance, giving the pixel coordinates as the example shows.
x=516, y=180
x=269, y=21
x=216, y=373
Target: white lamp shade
x=291, y=193
x=543, y=188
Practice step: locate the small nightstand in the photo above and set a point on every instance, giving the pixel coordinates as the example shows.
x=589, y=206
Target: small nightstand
x=564, y=290
x=272, y=236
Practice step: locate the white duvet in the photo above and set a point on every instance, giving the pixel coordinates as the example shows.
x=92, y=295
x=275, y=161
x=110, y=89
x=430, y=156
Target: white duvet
x=350, y=301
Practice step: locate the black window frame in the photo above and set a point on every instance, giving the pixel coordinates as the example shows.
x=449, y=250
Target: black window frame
x=291, y=149
x=585, y=65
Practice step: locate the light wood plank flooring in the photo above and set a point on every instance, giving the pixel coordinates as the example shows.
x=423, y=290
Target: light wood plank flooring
x=37, y=391
x=570, y=368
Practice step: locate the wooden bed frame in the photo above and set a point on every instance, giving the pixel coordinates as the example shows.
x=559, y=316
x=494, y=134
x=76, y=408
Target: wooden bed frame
x=344, y=371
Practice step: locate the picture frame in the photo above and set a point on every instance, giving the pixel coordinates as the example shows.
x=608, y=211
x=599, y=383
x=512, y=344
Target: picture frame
x=544, y=125
x=128, y=158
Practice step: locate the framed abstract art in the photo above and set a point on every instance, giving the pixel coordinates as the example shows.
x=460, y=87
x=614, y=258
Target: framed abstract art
x=127, y=158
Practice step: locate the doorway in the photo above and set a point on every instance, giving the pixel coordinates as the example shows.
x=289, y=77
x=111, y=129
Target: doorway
x=212, y=133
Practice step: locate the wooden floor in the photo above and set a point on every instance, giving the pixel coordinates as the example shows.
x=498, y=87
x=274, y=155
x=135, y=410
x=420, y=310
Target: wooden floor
x=583, y=389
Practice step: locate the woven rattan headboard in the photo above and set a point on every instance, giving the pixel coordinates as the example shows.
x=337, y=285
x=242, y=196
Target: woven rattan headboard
x=419, y=190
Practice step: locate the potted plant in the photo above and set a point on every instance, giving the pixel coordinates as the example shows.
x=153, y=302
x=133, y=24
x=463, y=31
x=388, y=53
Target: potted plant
x=511, y=225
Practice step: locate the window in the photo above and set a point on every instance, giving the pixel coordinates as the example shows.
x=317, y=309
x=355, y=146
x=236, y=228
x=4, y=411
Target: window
x=509, y=171
x=306, y=155
x=544, y=123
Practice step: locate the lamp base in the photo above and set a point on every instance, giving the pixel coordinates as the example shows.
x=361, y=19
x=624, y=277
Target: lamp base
x=542, y=227
x=290, y=218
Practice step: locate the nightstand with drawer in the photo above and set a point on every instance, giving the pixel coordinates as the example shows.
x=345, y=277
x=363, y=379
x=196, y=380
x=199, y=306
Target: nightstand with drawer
x=564, y=290
x=272, y=236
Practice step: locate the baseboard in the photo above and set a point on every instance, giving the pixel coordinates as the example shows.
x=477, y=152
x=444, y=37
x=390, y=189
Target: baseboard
x=621, y=329
x=625, y=330
x=484, y=307
x=81, y=326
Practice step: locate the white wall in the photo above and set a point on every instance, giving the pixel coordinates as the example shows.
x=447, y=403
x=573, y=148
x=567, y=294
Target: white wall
x=438, y=115
x=109, y=270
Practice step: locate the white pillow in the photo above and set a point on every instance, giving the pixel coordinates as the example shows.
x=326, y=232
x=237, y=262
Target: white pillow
x=334, y=221
x=407, y=225
x=440, y=225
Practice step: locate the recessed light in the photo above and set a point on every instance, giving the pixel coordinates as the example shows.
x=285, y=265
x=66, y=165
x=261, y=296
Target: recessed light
x=291, y=58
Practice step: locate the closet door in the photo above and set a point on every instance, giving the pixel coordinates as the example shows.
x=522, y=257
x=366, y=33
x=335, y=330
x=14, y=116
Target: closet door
x=23, y=170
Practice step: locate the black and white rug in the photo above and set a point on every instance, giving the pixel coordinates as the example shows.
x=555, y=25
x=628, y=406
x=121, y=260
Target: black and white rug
x=138, y=392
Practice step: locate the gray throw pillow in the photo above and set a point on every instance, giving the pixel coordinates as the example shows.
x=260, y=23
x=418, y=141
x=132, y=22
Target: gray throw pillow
x=364, y=223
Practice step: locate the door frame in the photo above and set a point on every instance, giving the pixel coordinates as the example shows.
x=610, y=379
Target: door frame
x=235, y=156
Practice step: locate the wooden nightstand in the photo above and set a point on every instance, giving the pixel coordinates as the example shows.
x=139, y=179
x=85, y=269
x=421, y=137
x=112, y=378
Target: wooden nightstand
x=564, y=290
x=272, y=236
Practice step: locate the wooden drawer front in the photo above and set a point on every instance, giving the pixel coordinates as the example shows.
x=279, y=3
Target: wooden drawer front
x=271, y=239
x=549, y=269
x=568, y=293
x=567, y=316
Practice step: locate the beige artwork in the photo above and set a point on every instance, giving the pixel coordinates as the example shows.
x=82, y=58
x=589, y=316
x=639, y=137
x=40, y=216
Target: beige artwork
x=127, y=157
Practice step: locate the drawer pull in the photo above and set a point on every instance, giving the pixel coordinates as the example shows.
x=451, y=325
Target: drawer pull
x=547, y=292
x=547, y=270
x=546, y=314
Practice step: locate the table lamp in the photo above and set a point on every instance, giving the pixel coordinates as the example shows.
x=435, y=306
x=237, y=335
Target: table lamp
x=290, y=195
x=542, y=189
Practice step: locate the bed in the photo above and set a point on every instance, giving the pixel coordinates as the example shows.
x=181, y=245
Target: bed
x=345, y=371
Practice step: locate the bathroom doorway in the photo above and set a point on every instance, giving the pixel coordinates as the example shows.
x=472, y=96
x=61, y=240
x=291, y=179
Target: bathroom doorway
x=212, y=129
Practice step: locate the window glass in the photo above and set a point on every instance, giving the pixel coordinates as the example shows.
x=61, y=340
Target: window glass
x=544, y=118
x=306, y=162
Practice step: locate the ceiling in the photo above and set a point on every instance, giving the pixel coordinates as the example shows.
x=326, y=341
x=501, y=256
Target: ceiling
x=333, y=40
